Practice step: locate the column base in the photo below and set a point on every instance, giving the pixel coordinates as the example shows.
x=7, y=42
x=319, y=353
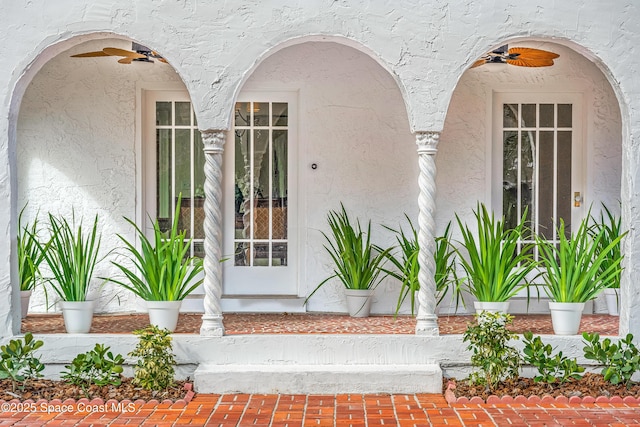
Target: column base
x=427, y=325
x=212, y=326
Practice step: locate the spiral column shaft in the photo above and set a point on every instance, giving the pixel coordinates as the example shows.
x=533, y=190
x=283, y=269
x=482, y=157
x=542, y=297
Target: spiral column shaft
x=213, y=148
x=427, y=321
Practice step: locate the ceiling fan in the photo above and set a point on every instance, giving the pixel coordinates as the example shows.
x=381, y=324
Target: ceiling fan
x=518, y=56
x=137, y=53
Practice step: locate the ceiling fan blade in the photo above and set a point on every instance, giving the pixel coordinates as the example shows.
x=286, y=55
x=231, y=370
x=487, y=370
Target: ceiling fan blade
x=113, y=51
x=478, y=63
x=126, y=60
x=530, y=62
x=533, y=53
x=89, y=54
x=161, y=59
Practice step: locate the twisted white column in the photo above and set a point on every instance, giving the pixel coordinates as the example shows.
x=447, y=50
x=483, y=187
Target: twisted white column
x=427, y=321
x=213, y=141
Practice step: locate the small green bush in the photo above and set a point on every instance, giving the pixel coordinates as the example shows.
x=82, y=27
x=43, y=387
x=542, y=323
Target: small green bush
x=98, y=366
x=494, y=358
x=551, y=368
x=17, y=361
x=155, y=367
x=621, y=360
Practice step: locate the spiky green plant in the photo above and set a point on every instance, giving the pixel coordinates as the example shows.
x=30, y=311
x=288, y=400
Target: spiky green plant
x=357, y=263
x=574, y=266
x=611, y=226
x=163, y=271
x=71, y=255
x=29, y=254
x=497, y=264
x=407, y=267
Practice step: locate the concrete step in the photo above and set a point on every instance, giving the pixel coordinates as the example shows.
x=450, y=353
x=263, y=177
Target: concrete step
x=318, y=379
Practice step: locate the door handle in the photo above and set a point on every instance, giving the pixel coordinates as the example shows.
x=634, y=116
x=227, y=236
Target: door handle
x=577, y=199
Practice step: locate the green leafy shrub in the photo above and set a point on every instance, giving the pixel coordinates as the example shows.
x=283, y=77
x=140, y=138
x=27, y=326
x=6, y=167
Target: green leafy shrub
x=155, y=367
x=492, y=355
x=621, y=360
x=98, y=366
x=609, y=227
x=18, y=362
x=551, y=368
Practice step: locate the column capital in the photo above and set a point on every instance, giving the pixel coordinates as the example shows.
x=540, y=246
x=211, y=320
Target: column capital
x=427, y=142
x=213, y=140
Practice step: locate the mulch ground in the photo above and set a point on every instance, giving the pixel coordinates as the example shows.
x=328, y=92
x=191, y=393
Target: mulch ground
x=589, y=385
x=50, y=390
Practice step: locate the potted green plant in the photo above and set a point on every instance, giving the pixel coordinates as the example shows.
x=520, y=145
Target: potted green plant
x=574, y=272
x=72, y=255
x=29, y=259
x=357, y=263
x=407, y=267
x=163, y=273
x=611, y=225
x=497, y=263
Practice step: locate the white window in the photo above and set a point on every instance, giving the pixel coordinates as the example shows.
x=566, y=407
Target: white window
x=174, y=165
x=538, y=160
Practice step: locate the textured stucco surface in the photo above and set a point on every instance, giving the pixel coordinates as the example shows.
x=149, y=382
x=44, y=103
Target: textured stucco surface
x=214, y=48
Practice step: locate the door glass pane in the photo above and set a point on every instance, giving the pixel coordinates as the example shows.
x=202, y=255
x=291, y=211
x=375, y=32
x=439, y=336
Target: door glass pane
x=183, y=112
x=163, y=114
x=564, y=115
x=242, y=185
x=163, y=182
x=510, y=178
x=261, y=254
x=529, y=115
x=564, y=179
x=242, y=254
x=510, y=115
x=279, y=254
x=260, y=113
x=545, y=186
x=243, y=111
x=527, y=175
x=261, y=163
x=280, y=114
x=546, y=115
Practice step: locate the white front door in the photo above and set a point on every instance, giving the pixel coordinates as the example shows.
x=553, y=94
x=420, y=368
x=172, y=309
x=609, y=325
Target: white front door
x=538, y=157
x=260, y=197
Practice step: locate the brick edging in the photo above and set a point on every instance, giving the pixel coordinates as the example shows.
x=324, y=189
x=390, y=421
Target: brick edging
x=547, y=398
x=110, y=403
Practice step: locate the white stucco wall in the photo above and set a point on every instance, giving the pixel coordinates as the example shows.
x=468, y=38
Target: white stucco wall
x=214, y=47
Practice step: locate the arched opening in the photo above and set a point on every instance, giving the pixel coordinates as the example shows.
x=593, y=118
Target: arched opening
x=86, y=144
x=353, y=145
x=536, y=138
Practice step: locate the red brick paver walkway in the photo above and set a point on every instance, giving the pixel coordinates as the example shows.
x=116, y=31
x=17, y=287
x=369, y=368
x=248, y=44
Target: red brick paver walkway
x=341, y=410
x=312, y=323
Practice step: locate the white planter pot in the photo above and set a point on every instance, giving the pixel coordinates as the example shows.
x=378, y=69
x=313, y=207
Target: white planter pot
x=359, y=301
x=612, y=297
x=77, y=316
x=25, y=297
x=164, y=314
x=492, y=307
x=565, y=317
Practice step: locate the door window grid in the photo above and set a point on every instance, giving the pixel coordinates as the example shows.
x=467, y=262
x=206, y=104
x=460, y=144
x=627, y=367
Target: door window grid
x=180, y=171
x=537, y=140
x=261, y=184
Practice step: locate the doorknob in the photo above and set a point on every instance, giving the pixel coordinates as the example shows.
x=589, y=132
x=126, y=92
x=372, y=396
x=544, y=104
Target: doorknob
x=577, y=199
